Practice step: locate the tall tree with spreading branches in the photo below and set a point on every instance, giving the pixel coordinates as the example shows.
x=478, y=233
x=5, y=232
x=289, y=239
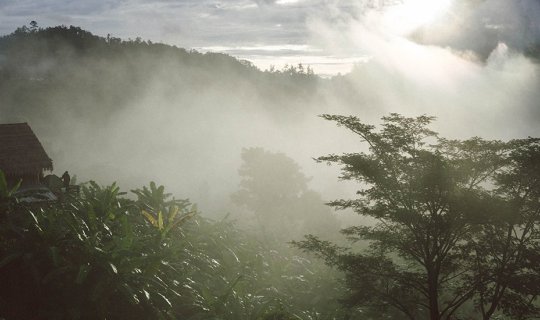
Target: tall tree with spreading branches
x=434, y=203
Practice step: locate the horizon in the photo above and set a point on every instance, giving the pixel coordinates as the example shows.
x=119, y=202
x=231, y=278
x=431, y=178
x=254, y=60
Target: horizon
x=331, y=38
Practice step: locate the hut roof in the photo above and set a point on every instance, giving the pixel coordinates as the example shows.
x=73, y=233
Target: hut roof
x=20, y=150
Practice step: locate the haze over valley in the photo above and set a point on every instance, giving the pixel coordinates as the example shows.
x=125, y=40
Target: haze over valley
x=427, y=110
x=151, y=111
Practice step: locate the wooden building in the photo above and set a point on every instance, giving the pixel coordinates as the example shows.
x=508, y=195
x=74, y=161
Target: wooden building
x=22, y=156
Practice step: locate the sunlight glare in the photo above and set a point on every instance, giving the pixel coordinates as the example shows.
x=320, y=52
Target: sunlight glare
x=412, y=14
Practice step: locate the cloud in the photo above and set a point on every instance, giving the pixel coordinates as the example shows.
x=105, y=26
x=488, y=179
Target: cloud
x=205, y=22
x=480, y=26
x=200, y=143
x=66, y=7
x=495, y=99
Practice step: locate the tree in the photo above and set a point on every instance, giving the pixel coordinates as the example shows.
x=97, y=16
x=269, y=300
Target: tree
x=434, y=201
x=33, y=26
x=276, y=191
x=506, y=248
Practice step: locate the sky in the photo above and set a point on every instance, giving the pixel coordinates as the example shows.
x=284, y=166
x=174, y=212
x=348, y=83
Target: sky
x=279, y=32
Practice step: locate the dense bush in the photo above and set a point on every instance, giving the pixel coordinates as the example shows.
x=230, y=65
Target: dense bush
x=102, y=255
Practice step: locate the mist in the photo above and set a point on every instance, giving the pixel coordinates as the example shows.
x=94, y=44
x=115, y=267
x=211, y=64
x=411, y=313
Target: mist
x=187, y=132
x=227, y=104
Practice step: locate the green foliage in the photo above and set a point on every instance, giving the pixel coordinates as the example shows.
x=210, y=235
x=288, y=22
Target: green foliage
x=160, y=212
x=449, y=232
x=103, y=256
x=5, y=190
x=6, y=193
x=86, y=259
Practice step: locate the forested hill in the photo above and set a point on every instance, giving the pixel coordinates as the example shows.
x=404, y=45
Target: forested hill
x=59, y=68
x=105, y=107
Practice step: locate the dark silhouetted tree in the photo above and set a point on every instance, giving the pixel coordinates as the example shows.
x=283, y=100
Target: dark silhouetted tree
x=442, y=209
x=506, y=248
x=33, y=26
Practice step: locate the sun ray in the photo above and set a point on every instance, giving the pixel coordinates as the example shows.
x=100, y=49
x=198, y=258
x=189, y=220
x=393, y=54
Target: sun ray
x=411, y=14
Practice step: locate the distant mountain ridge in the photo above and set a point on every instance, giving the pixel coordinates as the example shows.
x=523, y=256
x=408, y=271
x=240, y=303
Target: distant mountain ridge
x=68, y=42
x=102, y=105
x=45, y=68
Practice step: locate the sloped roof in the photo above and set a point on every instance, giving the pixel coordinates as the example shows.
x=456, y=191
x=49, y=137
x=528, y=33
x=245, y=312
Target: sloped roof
x=20, y=150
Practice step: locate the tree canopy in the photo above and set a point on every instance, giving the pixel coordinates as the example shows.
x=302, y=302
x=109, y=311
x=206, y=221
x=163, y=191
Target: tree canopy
x=276, y=191
x=457, y=222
